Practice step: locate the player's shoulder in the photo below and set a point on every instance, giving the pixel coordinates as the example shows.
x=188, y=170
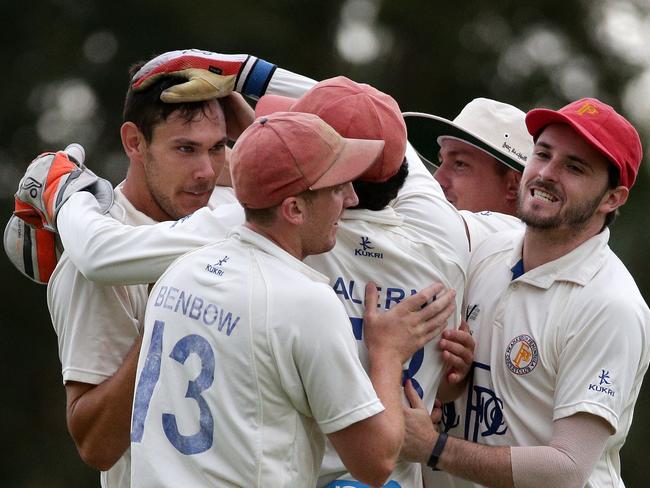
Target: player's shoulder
x=481, y=225
x=614, y=284
x=222, y=250
x=495, y=246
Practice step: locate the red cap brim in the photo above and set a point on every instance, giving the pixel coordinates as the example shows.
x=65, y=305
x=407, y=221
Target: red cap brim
x=539, y=118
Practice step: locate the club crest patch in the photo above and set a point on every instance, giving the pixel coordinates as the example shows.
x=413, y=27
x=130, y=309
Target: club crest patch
x=522, y=355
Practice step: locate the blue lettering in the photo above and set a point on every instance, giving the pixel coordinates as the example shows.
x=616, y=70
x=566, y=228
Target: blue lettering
x=160, y=297
x=485, y=407
x=357, y=327
x=214, y=315
x=354, y=300
x=340, y=289
x=183, y=302
x=399, y=296
x=197, y=306
x=171, y=296
x=226, y=320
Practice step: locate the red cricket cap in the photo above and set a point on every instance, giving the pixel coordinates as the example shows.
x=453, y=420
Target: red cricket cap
x=601, y=126
x=355, y=110
x=287, y=153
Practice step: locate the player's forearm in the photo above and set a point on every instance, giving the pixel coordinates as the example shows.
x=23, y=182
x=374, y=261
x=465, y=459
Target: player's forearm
x=367, y=459
x=103, y=249
x=486, y=465
x=106, y=251
x=385, y=372
x=99, y=419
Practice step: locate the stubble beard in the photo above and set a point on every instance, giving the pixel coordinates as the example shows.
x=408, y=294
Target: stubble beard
x=574, y=217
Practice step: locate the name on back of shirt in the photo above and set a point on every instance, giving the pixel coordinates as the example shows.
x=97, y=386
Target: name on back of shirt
x=196, y=307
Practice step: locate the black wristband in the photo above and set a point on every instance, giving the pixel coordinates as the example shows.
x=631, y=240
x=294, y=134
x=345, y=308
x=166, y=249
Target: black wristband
x=437, y=451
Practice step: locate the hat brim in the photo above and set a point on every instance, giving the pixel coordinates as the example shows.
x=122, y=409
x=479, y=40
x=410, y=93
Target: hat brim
x=424, y=130
x=537, y=119
x=356, y=156
x=269, y=104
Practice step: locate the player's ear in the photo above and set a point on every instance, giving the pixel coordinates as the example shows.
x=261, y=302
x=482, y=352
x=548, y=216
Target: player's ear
x=293, y=210
x=614, y=198
x=513, y=178
x=133, y=141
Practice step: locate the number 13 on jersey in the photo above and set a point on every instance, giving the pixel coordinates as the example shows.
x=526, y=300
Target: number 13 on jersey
x=195, y=443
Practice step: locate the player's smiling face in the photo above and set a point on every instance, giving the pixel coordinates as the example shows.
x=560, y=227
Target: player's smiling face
x=324, y=211
x=183, y=160
x=472, y=179
x=565, y=183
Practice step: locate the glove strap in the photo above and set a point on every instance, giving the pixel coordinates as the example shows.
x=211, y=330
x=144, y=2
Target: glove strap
x=254, y=81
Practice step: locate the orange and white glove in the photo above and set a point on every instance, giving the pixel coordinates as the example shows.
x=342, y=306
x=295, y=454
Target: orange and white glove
x=209, y=75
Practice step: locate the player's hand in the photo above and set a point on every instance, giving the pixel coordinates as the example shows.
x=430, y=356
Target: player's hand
x=410, y=324
x=457, y=347
x=49, y=181
x=210, y=75
x=420, y=427
x=239, y=115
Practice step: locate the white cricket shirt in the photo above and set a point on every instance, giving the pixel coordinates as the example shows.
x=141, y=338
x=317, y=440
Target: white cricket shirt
x=569, y=336
x=418, y=240
x=96, y=324
x=247, y=359
x=481, y=225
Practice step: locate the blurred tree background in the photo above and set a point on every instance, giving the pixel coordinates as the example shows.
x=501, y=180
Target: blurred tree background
x=65, y=75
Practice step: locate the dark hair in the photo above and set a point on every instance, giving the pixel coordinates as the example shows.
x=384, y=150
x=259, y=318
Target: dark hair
x=261, y=216
x=613, y=182
x=146, y=110
x=375, y=196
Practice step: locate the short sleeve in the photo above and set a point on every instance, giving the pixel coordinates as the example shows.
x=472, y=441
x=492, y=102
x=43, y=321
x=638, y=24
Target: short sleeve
x=599, y=364
x=96, y=325
x=318, y=361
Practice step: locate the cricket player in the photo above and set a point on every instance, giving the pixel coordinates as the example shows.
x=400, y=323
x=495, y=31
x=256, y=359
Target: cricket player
x=176, y=153
x=478, y=159
x=561, y=329
x=248, y=356
x=383, y=243
x=480, y=155
x=422, y=236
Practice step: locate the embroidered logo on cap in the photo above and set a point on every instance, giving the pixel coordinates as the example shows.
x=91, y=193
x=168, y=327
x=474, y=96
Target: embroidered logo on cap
x=587, y=109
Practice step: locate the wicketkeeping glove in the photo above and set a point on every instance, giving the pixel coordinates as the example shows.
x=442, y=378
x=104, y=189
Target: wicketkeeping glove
x=34, y=252
x=210, y=75
x=48, y=183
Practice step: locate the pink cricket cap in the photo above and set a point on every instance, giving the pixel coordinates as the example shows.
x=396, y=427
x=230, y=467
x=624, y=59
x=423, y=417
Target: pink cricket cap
x=601, y=126
x=354, y=110
x=287, y=153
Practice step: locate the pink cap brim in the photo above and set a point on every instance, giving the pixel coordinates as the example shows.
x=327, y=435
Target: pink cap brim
x=356, y=156
x=539, y=118
x=269, y=104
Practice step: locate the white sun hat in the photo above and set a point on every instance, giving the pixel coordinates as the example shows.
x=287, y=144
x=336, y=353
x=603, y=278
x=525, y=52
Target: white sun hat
x=497, y=128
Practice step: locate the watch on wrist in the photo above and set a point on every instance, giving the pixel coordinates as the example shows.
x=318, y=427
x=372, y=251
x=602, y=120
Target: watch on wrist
x=437, y=451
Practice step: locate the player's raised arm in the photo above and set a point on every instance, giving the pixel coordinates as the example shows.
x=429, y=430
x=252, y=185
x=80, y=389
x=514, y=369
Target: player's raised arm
x=109, y=252
x=392, y=338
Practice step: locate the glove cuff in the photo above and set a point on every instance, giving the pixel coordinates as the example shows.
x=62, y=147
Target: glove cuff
x=254, y=78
